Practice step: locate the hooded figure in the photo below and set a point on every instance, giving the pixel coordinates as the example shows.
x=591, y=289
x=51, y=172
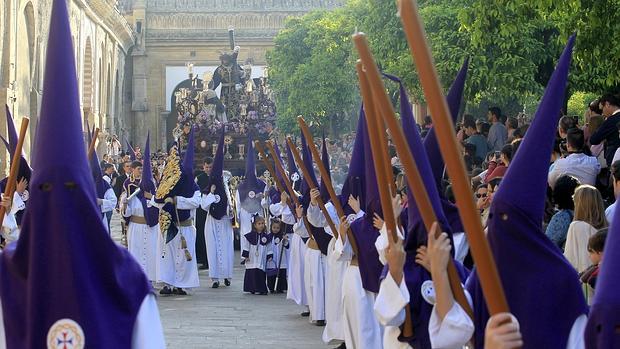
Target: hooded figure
x=416, y=277
x=218, y=227
x=360, y=279
x=354, y=183
x=177, y=197
x=106, y=199
x=519, y=245
x=24, y=171
x=142, y=219
x=249, y=195
x=453, y=99
x=49, y=281
x=604, y=318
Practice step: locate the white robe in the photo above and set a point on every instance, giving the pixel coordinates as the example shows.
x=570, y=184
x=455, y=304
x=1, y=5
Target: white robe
x=334, y=275
x=314, y=278
x=258, y=254
x=391, y=300
x=245, y=220
x=361, y=327
x=219, y=241
x=296, y=289
x=108, y=203
x=142, y=239
x=147, y=331
x=173, y=268
x=10, y=230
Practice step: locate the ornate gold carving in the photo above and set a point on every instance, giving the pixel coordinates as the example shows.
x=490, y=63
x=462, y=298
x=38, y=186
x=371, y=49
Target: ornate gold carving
x=171, y=175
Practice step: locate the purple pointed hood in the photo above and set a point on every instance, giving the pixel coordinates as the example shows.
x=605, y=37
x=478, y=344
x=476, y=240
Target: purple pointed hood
x=309, y=165
x=132, y=153
x=454, y=97
x=250, y=188
x=604, y=318
x=65, y=266
x=293, y=173
x=416, y=231
x=518, y=242
x=354, y=182
x=218, y=209
x=147, y=184
x=274, y=193
x=372, y=200
x=325, y=159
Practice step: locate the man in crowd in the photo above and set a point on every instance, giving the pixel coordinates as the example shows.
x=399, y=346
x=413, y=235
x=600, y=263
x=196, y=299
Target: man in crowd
x=608, y=131
x=498, y=135
x=577, y=164
x=202, y=179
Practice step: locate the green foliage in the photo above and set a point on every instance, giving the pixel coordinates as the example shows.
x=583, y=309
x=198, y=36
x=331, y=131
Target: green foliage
x=578, y=103
x=513, y=46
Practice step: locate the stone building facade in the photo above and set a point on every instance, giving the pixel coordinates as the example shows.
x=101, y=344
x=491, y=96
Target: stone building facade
x=102, y=40
x=171, y=33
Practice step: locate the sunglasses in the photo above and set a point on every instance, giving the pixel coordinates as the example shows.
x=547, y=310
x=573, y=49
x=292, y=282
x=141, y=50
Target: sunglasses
x=483, y=195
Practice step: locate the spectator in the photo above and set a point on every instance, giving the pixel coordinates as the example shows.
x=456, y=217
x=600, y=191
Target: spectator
x=597, y=150
x=462, y=135
x=593, y=111
x=476, y=138
x=615, y=174
x=563, y=197
x=512, y=124
x=566, y=123
x=499, y=169
x=608, y=132
x=583, y=167
x=498, y=135
x=589, y=217
x=596, y=245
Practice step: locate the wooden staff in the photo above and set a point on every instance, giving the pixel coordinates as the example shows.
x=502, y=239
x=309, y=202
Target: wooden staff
x=312, y=185
x=411, y=169
x=378, y=153
x=444, y=129
x=288, y=184
x=91, y=147
x=272, y=172
x=11, y=182
x=326, y=180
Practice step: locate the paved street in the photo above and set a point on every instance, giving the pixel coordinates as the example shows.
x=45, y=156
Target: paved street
x=228, y=318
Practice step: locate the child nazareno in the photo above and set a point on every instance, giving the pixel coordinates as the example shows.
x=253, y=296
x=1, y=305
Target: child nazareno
x=256, y=257
x=276, y=268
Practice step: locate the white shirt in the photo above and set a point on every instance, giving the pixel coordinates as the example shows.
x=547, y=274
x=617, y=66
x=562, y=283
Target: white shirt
x=583, y=167
x=609, y=212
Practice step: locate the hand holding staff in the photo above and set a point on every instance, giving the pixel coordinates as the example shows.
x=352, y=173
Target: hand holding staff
x=12, y=180
x=311, y=184
x=485, y=264
x=325, y=178
x=374, y=90
x=272, y=172
x=93, y=142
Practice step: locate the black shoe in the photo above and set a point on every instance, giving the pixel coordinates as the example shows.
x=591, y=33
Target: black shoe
x=226, y=282
x=320, y=323
x=280, y=291
x=305, y=314
x=263, y=293
x=341, y=346
x=179, y=291
x=216, y=284
x=272, y=291
x=166, y=291
x=203, y=267
x=242, y=262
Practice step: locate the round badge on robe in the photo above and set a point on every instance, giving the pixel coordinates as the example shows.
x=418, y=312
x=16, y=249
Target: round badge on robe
x=428, y=292
x=65, y=334
x=263, y=240
x=351, y=218
x=217, y=198
x=251, y=194
x=295, y=177
x=277, y=240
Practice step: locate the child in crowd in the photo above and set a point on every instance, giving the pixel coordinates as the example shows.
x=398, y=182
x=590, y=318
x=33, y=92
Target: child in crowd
x=596, y=244
x=276, y=267
x=256, y=255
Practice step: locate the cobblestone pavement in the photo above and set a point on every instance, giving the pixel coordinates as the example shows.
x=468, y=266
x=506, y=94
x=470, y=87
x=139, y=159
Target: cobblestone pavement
x=228, y=318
